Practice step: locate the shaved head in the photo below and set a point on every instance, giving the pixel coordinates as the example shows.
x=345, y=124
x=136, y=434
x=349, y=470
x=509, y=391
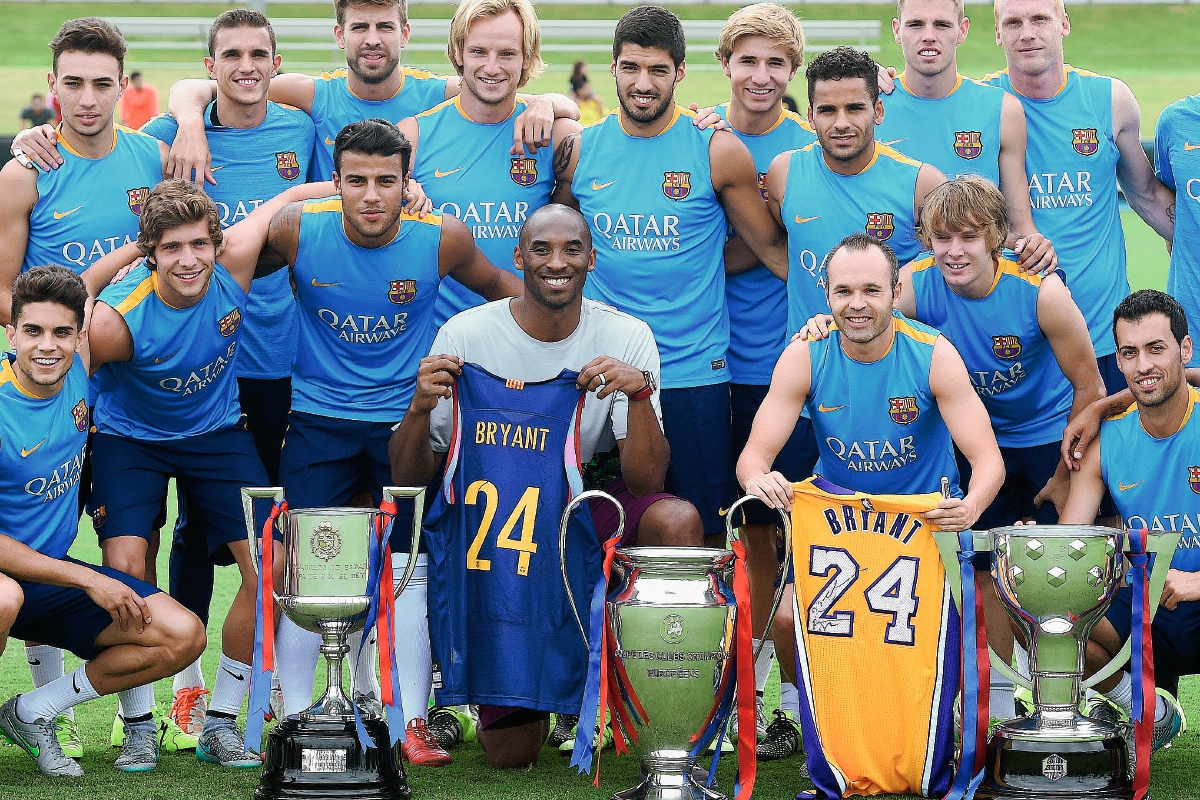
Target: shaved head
x=554, y=214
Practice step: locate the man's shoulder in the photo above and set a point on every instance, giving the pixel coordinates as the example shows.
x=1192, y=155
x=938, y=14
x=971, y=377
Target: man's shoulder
x=608, y=318
x=291, y=116
x=475, y=321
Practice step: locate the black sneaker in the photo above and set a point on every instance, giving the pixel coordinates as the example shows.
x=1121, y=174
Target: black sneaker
x=448, y=726
x=564, y=729
x=783, y=739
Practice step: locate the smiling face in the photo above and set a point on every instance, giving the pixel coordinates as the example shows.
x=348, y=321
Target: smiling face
x=492, y=61
x=860, y=293
x=964, y=258
x=372, y=189
x=555, y=255
x=1150, y=358
x=244, y=64
x=646, y=80
x=88, y=86
x=185, y=258
x=372, y=37
x=929, y=32
x=1031, y=33
x=45, y=337
x=842, y=114
x=759, y=70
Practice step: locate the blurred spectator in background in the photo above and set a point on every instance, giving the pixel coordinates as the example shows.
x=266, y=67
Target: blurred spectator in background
x=789, y=103
x=591, y=107
x=36, y=113
x=139, y=103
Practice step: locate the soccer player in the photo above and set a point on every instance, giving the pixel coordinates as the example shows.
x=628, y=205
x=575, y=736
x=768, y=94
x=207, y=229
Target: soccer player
x=123, y=628
x=1145, y=458
x=1083, y=138
x=461, y=148
x=656, y=191
x=845, y=182
x=529, y=340
x=1177, y=163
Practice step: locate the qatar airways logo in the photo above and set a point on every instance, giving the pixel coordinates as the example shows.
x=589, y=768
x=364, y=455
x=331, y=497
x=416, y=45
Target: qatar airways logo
x=364, y=328
x=59, y=481
x=638, y=231
x=490, y=220
x=82, y=255
x=1060, y=189
x=202, y=378
x=873, y=455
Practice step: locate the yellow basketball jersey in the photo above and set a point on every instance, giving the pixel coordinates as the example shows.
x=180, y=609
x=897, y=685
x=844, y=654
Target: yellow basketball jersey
x=877, y=642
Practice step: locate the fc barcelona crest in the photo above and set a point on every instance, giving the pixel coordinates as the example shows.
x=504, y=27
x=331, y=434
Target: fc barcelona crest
x=287, y=166
x=762, y=184
x=99, y=514
x=1006, y=346
x=677, y=185
x=880, y=226
x=524, y=171
x=80, y=413
x=903, y=410
x=967, y=144
x=137, y=197
x=1194, y=479
x=229, y=323
x=400, y=292
x=1085, y=141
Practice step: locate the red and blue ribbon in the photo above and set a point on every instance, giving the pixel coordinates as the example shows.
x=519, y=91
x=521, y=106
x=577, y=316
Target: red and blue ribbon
x=381, y=614
x=975, y=676
x=1141, y=660
x=263, y=667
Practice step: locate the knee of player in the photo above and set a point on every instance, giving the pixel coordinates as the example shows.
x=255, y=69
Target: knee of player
x=184, y=637
x=673, y=522
x=11, y=599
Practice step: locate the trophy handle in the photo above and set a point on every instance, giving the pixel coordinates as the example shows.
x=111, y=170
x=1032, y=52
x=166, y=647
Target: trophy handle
x=418, y=496
x=784, y=568
x=563, y=526
x=1163, y=546
x=249, y=495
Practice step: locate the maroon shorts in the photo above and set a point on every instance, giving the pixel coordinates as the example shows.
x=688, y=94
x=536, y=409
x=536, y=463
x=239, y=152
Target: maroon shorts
x=499, y=717
x=605, y=516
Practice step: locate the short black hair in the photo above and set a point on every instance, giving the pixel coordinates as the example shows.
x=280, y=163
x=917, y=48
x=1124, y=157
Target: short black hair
x=843, y=62
x=89, y=35
x=861, y=243
x=372, y=137
x=651, y=26
x=1144, y=302
x=238, y=18
x=49, y=284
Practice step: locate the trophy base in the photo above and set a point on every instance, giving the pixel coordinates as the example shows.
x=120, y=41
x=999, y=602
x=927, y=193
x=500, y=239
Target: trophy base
x=1025, y=763
x=671, y=786
x=321, y=759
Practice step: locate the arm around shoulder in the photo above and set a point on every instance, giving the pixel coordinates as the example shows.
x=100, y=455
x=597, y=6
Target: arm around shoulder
x=18, y=196
x=461, y=258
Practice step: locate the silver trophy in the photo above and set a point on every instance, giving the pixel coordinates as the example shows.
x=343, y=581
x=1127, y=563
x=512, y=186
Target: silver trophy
x=674, y=622
x=316, y=753
x=1056, y=582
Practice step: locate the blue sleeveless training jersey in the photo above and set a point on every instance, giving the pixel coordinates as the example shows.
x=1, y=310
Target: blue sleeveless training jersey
x=1156, y=482
x=1010, y=362
x=335, y=106
x=252, y=166
x=958, y=133
x=1177, y=162
x=821, y=207
x=366, y=315
x=878, y=426
x=468, y=172
x=659, y=233
x=180, y=382
x=757, y=300
x=501, y=624
x=1071, y=160
x=42, y=443
x=89, y=207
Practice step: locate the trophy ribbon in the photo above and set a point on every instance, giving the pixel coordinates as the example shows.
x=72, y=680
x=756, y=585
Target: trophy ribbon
x=1141, y=661
x=263, y=667
x=975, y=676
x=381, y=615
x=744, y=668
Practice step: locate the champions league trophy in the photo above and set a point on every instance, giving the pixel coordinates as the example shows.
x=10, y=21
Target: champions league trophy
x=316, y=754
x=1056, y=582
x=673, y=615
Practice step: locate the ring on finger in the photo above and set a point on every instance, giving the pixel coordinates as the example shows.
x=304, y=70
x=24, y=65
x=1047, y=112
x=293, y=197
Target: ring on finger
x=603, y=380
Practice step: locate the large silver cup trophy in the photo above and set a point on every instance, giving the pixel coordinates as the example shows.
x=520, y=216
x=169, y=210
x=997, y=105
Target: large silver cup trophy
x=1056, y=582
x=316, y=754
x=673, y=617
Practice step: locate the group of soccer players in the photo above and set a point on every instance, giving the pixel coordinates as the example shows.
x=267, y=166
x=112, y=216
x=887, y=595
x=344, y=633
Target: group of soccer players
x=650, y=294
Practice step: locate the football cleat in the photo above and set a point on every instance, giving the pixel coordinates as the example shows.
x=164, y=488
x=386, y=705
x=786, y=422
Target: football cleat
x=368, y=706
x=564, y=729
x=188, y=710
x=568, y=747
x=139, y=749
x=1171, y=724
x=421, y=749
x=783, y=739
x=40, y=740
x=222, y=743
x=68, y=736
x=450, y=726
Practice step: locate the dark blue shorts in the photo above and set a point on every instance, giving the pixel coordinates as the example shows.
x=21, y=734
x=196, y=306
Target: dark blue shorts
x=130, y=482
x=1110, y=373
x=696, y=421
x=796, y=460
x=1176, y=637
x=1026, y=471
x=68, y=618
x=266, y=404
x=326, y=461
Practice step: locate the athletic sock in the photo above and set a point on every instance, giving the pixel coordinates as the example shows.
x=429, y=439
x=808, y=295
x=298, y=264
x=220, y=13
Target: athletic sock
x=1021, y=659
x=363, y=679
x=1122, y=694
x=47, y=702
x=414, y=666
x=296, y=652
x=137, y=702
x=1001, y=703
x=789, y=699
x=230, y=687
x=762, y=667
x=189, y=677
x=45, y=665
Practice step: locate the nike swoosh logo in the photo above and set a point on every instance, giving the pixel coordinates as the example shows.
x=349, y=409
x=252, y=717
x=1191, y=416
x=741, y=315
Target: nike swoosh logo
x=1124, y=487
x=61, y=214
x=164, y=358
x=74, y=685
x=26, y=453
x=1190, y=146
x=803, y=220
x=598, y=186
x=824, y=408
x=214, y=169
x=234, y=674
x=892, y=142
x=437, y=173
x=37, y=662
x=33, y=749
x=320, y=285
x=329, y=141
x=722, y=512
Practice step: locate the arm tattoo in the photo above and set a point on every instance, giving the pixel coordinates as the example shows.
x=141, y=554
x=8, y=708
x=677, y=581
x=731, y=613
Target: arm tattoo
x=562, y=157
x=282, y=230
x=1171, y=213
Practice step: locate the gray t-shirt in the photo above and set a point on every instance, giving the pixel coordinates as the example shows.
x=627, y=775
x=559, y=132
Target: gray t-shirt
x=488, y=335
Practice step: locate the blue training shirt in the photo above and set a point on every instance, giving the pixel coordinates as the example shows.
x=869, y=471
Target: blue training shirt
x=1008, y=358
x=757, y=300
x=659, y=233
x=959, y=133
x=1071, y=160
x=179, y=382
x=1177, y=162
x=366, y=315
x=42, y=444
x=468, y=172
x=1156, y=482
x=254, y=165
